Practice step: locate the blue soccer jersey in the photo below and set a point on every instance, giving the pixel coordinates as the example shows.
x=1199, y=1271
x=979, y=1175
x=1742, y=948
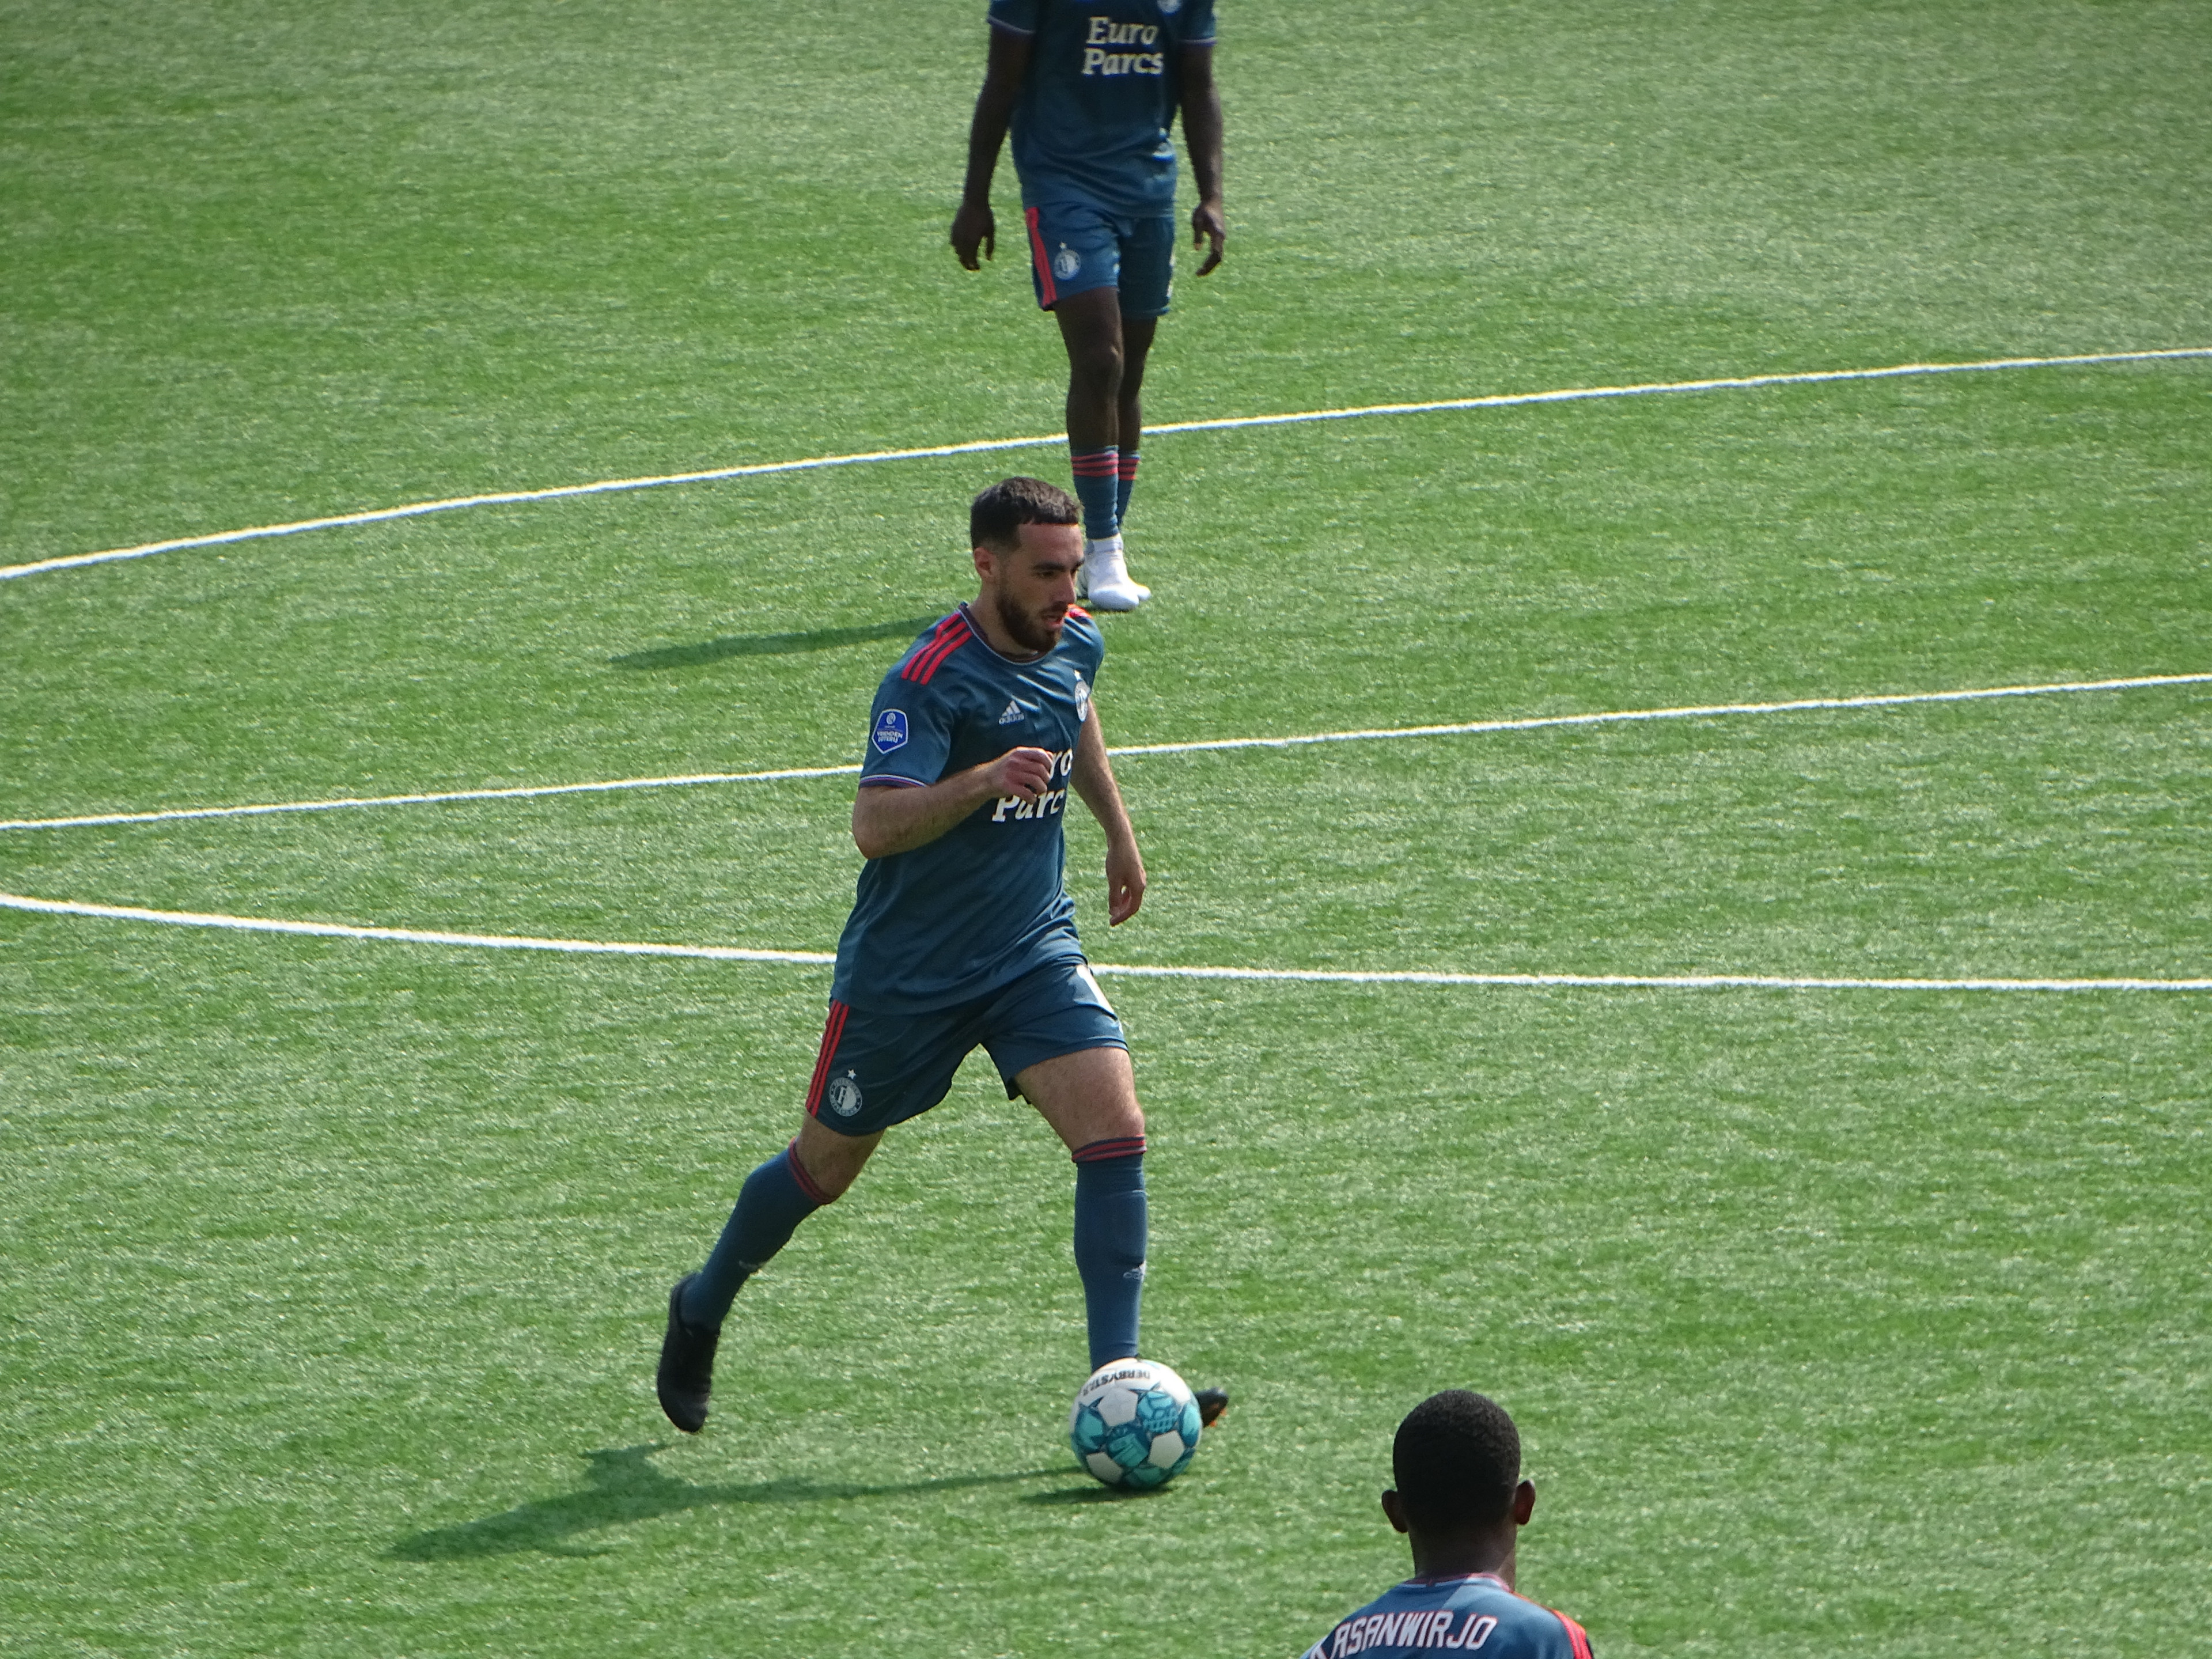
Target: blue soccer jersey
x=987, y=900
x=1104, y=82
x=1476, y=1614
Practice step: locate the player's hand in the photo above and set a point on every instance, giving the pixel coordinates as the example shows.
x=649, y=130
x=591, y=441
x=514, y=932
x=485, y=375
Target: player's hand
x=1125, y=883
x=972, y=225
x=1022, y=772
x=1206, y=226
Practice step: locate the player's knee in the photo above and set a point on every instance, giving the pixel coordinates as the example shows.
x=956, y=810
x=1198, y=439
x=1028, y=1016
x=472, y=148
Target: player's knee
x=1116, y=1121
x=1097, y=365
x=828, y=1163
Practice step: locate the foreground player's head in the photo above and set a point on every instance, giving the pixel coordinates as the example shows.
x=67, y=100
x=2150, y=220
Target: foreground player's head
x=1027, y=539
x=1459, y=1495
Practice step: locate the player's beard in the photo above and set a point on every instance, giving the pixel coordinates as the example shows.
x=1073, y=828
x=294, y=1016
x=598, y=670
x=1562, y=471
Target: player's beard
x=1027, y=631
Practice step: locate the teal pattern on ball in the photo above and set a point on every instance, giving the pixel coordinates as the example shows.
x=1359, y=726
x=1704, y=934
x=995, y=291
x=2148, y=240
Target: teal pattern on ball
x=1158, y=1413
x=1089, y=1433
x=1128, y=1445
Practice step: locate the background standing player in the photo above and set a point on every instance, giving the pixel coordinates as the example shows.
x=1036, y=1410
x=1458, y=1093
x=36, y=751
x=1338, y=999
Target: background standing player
x=962, y=933
x=1461, y=1501
x=1091, y=90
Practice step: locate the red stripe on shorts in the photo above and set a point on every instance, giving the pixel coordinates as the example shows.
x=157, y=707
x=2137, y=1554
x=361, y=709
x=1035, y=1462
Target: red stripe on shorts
x=833, y=1029
x=1045, y=284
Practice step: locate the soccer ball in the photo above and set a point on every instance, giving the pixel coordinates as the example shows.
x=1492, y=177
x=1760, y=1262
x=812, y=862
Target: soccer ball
x=1134, y=1424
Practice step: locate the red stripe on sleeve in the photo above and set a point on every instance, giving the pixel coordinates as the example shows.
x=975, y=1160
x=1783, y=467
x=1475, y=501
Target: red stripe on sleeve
x=932, y=657
x=930, y=644
x=1577, y=1635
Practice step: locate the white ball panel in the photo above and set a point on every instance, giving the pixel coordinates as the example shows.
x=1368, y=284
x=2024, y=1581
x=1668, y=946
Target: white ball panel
x=1117, y=1406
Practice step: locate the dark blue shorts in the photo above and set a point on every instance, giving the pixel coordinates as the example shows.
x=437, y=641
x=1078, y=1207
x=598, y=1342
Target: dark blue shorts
x=876, y=1070
x=1074, y=246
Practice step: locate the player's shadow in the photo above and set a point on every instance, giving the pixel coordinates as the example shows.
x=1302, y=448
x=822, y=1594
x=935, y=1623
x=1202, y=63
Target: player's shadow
x=768, y=645
x=623, y=1487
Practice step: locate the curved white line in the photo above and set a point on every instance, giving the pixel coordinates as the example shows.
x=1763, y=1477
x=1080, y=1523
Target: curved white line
x=1307, y=975
x=1503, y=400
x=403, y=935
x=1652, y=981
x=1537, y=722
x=339, y=803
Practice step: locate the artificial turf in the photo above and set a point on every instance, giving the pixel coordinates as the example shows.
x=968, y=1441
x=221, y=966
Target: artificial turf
x=1863, y=1322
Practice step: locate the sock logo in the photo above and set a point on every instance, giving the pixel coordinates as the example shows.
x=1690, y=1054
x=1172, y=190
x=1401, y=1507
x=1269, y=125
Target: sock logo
x=1136, y=1273
x=844, y=1095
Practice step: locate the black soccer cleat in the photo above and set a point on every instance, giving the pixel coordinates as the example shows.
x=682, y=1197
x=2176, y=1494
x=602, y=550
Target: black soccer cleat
x=686, y=1365
x=1212, y=1402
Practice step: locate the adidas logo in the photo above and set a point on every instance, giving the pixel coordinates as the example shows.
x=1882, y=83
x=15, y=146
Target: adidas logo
x=1013, y=712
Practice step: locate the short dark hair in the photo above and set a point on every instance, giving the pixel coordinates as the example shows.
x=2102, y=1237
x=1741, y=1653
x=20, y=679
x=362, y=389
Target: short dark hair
x=1457, y=1459
x=996, y=518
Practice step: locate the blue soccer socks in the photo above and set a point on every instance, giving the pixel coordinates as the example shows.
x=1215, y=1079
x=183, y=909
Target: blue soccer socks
x=1098, y=487
x=1128, y=481
x=1109, y=1242
x=775, y=1200
x=1110, y=1224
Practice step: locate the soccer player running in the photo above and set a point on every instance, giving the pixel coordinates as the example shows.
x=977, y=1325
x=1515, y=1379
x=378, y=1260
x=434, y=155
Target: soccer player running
x=1460, y=1499
x=1091, y=90
x=962, y=933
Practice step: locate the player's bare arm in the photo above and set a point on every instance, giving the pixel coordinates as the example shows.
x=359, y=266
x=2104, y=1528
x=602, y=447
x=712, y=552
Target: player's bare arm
x=1201, y=133
x=888, y=819
x=1093, y=779
x=973, y=225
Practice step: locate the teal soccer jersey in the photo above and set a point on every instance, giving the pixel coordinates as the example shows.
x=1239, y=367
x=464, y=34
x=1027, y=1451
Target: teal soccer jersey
x=1104, y=82
x=987, y=900
x=1464, y=1615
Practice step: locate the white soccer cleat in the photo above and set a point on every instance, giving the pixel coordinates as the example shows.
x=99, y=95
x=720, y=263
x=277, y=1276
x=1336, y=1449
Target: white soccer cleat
x=1106, y=585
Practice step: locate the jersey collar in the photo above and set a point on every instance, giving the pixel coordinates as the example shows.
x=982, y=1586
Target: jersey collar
x=975, y=628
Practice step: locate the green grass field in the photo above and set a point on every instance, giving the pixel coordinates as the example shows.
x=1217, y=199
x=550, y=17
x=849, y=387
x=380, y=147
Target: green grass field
x=332, y=1271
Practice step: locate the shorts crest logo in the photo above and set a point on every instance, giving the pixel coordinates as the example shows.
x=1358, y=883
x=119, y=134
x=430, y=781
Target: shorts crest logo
x=891, y=731
x=845, y=1095
x=1066, y=263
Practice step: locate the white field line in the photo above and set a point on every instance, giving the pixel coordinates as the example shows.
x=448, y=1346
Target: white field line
x=405, y=935
x=340, y=803
x=1698, y=711
x=1503, y=400
x=1304, y=975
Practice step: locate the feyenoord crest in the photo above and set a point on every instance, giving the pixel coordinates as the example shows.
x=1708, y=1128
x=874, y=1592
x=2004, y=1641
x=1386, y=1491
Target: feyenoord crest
x=845, y=1095
x=1066, y=263
x=1169, y=8
x=1082, y=700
